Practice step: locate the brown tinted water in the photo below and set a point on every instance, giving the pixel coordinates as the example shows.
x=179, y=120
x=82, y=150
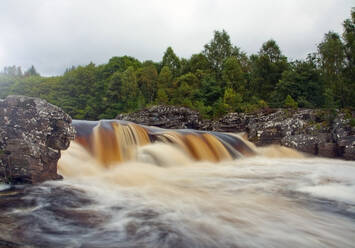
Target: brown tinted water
x=133, y=186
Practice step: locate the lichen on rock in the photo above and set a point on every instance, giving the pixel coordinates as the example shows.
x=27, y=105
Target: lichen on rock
x=308, y=130
x=32, y=133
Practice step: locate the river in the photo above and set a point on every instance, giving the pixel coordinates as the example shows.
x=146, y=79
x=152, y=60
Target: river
x=165, y=198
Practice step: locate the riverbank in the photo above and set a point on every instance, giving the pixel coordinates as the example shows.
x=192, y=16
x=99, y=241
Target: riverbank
x=313, y=131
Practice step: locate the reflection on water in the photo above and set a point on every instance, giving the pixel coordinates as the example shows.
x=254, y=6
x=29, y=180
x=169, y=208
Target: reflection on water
x=156, y=202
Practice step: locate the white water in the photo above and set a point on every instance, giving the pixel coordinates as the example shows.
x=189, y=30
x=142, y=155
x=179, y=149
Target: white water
x=4, y=186
x=165, y=199
x=252, y=202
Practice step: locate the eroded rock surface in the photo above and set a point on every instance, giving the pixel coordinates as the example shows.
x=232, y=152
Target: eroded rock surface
x=32, y=133
x=308, y=130
x=165, y=117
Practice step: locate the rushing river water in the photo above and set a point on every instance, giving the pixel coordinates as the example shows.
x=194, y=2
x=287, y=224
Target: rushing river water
x=165, y=198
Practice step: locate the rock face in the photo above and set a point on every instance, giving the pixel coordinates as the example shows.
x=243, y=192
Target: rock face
x=307, y=130
x=165, y=117
x=32, y=133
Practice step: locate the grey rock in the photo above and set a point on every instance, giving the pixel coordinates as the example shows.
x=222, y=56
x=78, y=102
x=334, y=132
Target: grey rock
x=165, y=117
x=32, y=133
x=328, y=150
x=307, y=130
x=302, y=142
x=346, y=147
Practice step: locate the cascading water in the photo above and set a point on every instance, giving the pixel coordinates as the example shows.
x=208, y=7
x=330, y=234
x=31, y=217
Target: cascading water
x=128, y=185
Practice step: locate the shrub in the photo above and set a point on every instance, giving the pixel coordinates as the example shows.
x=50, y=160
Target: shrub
x=290, y=103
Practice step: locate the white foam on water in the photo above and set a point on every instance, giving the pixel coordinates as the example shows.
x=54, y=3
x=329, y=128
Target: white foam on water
x=251, y=202
x=4, y=187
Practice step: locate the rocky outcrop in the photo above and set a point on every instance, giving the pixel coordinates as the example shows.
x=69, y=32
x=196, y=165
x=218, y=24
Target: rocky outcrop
x=165, y=117
x=313, y=131
x=317, y=132
x=32, y=133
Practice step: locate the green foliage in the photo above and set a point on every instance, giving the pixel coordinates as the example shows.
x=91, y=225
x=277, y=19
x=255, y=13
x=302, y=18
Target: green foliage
x=232, y=100
x=290, y=103
x=262, y=104
x=352, y=122
x=205, y=111
x=147, y=81
x=302, y=81
x=219, y=108
x=162, y=97
x=218, y=80
x=349, y=63
x=332, y=55
x=31, y=72
x=172, y=61
x=232, y=74
x=329, y=99
x=218, y=50
x=266, y=70
x=199, y=62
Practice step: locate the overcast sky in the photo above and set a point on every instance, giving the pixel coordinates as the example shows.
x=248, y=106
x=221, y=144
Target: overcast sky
x=55, y=34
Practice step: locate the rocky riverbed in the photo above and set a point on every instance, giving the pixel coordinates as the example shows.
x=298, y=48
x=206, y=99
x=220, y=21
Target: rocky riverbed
x=314, y=131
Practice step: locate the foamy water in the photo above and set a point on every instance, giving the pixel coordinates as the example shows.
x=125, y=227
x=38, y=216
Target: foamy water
x=164, y=198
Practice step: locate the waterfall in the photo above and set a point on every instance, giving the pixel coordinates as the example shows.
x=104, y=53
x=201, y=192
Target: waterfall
x=114, y=141
x=129, y=185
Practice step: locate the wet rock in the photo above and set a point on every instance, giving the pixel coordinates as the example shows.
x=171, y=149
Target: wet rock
x=301, y=142
x=346, y=147
x=340, y=127
x=328, y=150
x=315, y=131
x=32, y=133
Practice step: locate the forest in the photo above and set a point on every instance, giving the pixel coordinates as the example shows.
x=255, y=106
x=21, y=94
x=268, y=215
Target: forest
x=220, y=79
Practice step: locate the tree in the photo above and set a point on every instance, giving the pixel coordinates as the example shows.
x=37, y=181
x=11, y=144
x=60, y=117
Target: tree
x=129, y=90
x=271, y=50
x=119, y=64
x=233, y=75
x=218, y=50
x=172, y=61
x=267, y=69
x=331, y=52
x=31, y=72
x=147, y=81
x=219, y=79
x=349, y=47
x=329, y=99
x=14, y=71
x=199, y=62
x=349, y=42
x=302, y=81
x=185, y=88
x=232, y=100
x=210, y=90
x=162, y=97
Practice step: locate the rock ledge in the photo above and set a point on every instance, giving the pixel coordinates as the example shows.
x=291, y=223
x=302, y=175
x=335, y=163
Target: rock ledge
x=314, y=131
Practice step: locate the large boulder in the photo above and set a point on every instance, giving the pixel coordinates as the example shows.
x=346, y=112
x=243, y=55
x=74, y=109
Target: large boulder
x=32, y=133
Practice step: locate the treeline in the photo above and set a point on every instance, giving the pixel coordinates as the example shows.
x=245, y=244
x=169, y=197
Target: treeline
x=220, y=79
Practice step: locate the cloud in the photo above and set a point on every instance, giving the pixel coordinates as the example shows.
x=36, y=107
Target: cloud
x=53, y=35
